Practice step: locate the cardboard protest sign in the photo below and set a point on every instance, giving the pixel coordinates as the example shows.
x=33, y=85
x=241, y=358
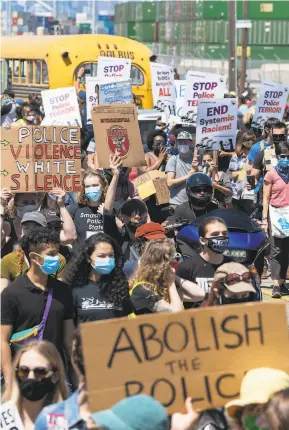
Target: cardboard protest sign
x=92, y=90
x=36, y=159
x=61, y=105
x=111, y=93
x=201, y=353
x=163, y=88
x=10, y=418
x=116, y=129
x=201, y=86
x=153, y=182
x=271, y=103
x=113, y=68
x=217, y=124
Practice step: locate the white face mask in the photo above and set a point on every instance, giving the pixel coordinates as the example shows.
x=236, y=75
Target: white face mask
x=183, y=149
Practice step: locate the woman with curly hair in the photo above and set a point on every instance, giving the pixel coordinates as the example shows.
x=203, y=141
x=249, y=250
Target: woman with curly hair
x=87, y=214
x=100, y=288
x=153, y=287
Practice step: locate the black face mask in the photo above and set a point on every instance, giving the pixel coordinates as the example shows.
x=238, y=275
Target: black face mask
x=133, y=226
x=35, y=390
x=200, y=201
x=218, y=244
x=156, y=149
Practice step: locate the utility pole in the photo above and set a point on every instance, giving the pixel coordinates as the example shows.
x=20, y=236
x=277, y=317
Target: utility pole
x=93, y=17
x=232, y=46
x=244, y=47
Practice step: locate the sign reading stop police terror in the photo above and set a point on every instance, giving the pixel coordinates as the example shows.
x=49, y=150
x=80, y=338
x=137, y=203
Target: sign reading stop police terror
x=163, y=88
x=113, y=68
x=271, y=103
x=201, y=86
x=202, y=353
x=40, y=158
x=217, y=124
x=61, y=107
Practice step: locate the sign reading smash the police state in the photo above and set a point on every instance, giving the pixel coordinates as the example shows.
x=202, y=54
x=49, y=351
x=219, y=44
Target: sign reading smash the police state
x=271, y=103
x=201, y=86
x=111, y=93
x=10, y=418
x=163, y=87
x=217, y=124
x=113, y=68
x=116, y=130
x=61, y=107
x=202, y=353
x=41, y=158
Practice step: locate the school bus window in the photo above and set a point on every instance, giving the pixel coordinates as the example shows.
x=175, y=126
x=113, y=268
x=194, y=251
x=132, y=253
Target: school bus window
x=9, y=71
x=30, y=71
x=90, y=69
x=16, y=71
x=44, y=73
x=136, y=75
x=37, y=71
x=23, y=65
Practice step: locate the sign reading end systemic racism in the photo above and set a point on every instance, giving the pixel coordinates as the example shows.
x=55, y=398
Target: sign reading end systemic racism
x=201, y=353
x=116, y=129
x=217, y=124
x=41, y=158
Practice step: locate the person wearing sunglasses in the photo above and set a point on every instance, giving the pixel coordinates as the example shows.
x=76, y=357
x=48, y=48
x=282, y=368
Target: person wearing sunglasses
x=37, y=380
x=276, y=208
x=157, y=155
x=232, y=283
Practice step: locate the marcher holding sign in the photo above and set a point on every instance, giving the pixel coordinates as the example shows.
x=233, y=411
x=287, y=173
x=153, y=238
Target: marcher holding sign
x=217, y=124
x=61, y=107
x=116, y=69
x=41, y=158
x=163, y=88
x=116, y=130
x=199, y=87
x=271, y=103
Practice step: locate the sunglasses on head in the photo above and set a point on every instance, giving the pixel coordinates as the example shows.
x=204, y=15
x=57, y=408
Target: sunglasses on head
x=234, y=278
x=40, y=373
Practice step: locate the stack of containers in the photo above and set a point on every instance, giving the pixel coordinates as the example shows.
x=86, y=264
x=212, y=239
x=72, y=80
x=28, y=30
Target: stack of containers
x=199, y=28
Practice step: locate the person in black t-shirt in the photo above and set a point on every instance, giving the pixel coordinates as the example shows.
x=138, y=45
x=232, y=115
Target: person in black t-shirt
x=23, y=302
x=88, y=212
x=200, y=268
x=100, y=288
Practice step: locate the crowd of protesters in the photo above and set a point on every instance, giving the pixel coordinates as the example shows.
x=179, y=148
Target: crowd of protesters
x=104, y=253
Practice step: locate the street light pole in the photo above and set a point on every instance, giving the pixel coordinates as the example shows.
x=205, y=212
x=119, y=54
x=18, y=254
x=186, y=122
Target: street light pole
x=244, y=47
x=232, y=46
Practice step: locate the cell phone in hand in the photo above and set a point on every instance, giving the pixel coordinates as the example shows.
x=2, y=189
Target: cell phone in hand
x=251, y=181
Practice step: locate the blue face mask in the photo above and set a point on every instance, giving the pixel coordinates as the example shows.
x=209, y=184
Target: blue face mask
x=283, y=163
x=93, y=193
x=50, y=265
x=103, y=266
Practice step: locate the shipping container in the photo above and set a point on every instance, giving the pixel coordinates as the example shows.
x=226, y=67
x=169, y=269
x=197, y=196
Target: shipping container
x=141, y=31
x=145, y=11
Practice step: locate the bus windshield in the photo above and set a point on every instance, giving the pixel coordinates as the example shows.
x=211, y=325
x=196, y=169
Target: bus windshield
x=136, y=75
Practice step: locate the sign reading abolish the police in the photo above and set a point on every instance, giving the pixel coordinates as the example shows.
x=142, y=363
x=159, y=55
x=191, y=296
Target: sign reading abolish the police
x=201, y=353
x=41, y=158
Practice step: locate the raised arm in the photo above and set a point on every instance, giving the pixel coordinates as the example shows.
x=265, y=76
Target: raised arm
x=68, y=233
x=115, y=163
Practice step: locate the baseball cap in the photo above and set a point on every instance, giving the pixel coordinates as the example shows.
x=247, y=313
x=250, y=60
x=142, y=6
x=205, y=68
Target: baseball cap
x=150, y=231
x=129, y=413
x=229, y=268
x=184, y=135
x=257, y=386
x=35, y=216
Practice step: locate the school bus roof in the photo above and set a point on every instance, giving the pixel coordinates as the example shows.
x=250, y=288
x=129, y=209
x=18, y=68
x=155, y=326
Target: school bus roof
x=38, y=47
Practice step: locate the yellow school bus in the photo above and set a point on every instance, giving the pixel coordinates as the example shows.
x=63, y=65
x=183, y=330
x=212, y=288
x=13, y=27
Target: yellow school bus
x=31, y=64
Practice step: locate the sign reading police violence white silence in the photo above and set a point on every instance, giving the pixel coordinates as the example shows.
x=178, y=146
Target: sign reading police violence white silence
x=202, y=353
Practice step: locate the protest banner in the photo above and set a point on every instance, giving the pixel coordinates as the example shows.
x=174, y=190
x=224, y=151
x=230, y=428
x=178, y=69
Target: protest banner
x=10, y=418
x=201, y=353
x=61, y=107
x=271, y=103
x=112, y=93
x=36, y=159
x=109, y=68
x=217, y=124
x=153, y=182
x=163, y=88
x=201, y=86
x=116, y=129
x=92, y=90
